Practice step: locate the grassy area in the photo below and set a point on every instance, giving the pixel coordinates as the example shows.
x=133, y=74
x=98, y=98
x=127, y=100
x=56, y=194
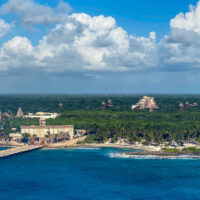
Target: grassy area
x=191, y=149
x=174, y=150
x=188, y=150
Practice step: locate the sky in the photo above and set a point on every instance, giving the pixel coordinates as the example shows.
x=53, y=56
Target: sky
x=100, y=46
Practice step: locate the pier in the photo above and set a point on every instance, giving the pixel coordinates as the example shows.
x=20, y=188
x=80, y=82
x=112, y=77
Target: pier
x=18, y=150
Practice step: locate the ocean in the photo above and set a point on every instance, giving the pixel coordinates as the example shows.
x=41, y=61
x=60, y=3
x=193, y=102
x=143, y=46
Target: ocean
x=93, y=174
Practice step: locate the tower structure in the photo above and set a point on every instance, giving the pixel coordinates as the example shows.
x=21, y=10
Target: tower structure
x=42, y=121
x=195, y=104
x=109, y=103
x=60, y=106
x=103, y=105
x=187, y=104
x=181, y=107
x=20, y=113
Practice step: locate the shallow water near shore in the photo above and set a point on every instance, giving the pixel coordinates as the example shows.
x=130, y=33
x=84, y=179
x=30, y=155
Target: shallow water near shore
x=90, y=173
x=3, y=148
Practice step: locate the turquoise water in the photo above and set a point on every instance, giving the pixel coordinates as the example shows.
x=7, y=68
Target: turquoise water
x=91, y=174
x=3, y=148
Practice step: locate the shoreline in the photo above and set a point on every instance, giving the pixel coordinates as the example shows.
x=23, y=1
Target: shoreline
x=145, y=150
x=72, y=144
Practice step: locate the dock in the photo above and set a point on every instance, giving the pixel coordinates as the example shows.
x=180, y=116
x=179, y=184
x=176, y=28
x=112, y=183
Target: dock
x=18, y=150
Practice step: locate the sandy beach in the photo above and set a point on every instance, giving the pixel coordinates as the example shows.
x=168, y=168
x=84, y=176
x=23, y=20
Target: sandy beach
x=73, y=143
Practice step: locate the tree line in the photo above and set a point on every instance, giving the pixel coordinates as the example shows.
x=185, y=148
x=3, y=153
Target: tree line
x=84, y=111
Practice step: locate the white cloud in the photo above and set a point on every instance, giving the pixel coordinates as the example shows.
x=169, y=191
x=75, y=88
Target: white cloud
x=188, y=21
x=4, y=27
x=180, y=50
x=82, y=43
x=16, y=53
x=88, y=44
x=32, y=13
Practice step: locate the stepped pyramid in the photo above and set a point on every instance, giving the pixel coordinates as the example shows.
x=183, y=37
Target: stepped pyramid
x=20, y=113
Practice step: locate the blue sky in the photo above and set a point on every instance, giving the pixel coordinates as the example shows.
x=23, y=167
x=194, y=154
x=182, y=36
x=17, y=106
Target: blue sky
x=99, y=46
x=138, y=17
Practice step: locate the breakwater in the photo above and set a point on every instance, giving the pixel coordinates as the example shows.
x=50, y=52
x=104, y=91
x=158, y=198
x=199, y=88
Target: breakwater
x=18, y=150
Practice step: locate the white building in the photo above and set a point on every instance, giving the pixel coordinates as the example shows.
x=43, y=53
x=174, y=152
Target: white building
x=15, y=136
x=44, y=115
x=42, y=131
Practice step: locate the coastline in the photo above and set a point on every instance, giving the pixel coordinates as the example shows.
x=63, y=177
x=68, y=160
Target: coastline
x=139, y=147
x=73, y=143
x=146, y=151
x=10, y=144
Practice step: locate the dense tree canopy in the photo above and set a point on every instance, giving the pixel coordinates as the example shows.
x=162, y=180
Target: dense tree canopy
x=165, y=124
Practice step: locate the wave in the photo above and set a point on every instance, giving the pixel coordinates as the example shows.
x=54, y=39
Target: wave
x=153, y=157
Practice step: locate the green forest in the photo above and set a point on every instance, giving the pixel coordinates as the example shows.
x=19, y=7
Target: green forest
x=167, y=124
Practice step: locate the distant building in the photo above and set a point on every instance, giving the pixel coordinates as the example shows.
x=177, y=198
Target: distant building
x=195, y=104
x=44, y=115
x=16, y=136
x=58, y=137
x=42, y=130
x=20, y=113
x=60, y=106
x=5, y=115
x=80, y=132
x=181, y=107
x=42, y=121
x=187, y=104
x=103, y=105
x=109, y=103
x=145, y=103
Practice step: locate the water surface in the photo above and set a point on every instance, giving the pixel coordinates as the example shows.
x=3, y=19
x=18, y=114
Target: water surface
x=91, y=174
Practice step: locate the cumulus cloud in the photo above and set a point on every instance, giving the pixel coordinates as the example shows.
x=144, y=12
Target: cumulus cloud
x=180, y=50
x=82, y=43
x=16, y=53
x=4, y=27
x=188, y=21
x=101, y=44
x=32, y=13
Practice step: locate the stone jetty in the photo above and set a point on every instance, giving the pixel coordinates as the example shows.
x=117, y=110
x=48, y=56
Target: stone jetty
x=19, y=150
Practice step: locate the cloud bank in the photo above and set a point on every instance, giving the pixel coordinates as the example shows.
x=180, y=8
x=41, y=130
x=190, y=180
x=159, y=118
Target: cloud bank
x=31, y=13
x=85, y=44
x=4, y=27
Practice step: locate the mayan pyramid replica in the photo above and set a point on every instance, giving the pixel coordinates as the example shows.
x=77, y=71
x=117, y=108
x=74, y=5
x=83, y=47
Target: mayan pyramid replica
x=20, y=113
x=146, y=103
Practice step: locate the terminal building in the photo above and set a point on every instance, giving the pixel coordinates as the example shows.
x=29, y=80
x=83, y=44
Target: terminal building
x=44, y=130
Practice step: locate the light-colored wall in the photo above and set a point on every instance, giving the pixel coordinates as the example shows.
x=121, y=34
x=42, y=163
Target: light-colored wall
x=15, y=135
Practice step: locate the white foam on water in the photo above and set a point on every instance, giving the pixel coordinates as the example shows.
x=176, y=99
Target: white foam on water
x=86, y=148
x=153, y=157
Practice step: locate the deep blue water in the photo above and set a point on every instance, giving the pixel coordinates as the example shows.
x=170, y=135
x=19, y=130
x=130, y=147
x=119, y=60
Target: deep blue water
x=93, y=175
